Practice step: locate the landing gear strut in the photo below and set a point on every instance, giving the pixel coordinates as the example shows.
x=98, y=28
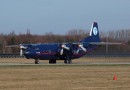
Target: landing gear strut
x=37, y=61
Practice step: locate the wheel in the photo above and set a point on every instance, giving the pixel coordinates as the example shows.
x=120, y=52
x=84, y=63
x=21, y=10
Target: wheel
x=65, y=61
x=69, y=61
x=52, y=61
x=36, y=61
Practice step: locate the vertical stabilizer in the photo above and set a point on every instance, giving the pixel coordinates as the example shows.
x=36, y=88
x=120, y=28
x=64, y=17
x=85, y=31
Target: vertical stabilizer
x=94, y=30
x=93, y=35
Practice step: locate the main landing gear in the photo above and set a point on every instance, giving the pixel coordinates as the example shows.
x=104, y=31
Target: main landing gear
x=52, y=61
x=68, y=60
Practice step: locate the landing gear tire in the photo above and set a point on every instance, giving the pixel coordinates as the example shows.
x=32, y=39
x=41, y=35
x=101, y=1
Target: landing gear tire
x=65, y=61
x=36, y=61
x=52, y=61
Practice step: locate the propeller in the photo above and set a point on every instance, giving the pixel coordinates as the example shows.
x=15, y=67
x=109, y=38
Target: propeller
x=63, y=46
x=21, y=46
x=80, y=46
x=21, y=49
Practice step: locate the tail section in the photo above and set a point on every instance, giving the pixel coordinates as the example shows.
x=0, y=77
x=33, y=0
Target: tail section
x=94, y=30
x=93, y=35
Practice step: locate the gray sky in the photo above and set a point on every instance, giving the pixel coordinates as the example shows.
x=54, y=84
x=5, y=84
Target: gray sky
x=60, y=16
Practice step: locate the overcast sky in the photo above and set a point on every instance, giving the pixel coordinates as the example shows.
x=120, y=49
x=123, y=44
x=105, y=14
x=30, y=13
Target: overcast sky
x=60, y=16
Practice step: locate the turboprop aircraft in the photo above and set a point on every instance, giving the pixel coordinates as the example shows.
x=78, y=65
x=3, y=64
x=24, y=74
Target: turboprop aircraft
x=63, y=51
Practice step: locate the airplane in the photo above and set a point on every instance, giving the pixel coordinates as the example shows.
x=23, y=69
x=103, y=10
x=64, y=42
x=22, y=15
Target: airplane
x=63, y=51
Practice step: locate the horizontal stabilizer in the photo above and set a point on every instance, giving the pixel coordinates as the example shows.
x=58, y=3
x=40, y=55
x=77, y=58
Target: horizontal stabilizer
x=104, y=43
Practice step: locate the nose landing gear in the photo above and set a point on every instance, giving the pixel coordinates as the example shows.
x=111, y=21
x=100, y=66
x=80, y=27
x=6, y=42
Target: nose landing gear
x=37, y=61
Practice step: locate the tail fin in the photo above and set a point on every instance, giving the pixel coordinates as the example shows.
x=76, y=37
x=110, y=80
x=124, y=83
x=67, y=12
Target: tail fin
x=93, y=35
x=94, y=30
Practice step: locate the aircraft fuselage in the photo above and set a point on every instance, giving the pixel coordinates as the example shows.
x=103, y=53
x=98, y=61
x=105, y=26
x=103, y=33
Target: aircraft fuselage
x=52, y=51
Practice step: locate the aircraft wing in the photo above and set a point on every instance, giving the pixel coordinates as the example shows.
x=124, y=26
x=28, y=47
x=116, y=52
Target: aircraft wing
x=104, y=43
x=18, y=45
x=13, y=46
x=99, y=43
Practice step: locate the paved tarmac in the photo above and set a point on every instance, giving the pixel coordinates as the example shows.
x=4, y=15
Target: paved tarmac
x=58, y=64
x=81, y=61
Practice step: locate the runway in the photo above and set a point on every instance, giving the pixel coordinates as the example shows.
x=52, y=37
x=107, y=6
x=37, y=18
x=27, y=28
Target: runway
x=82, y=61
x=62, y=64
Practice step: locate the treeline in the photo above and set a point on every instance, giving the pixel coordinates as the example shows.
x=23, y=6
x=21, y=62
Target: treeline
x=122, y=36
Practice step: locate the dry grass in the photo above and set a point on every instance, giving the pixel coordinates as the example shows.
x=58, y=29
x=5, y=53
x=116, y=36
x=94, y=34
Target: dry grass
x=65, y=77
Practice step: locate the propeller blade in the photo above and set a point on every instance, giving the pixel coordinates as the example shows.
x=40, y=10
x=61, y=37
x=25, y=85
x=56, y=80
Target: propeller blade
x=21, y=52
x=61, y=52
x=65, y=47
x=21, y=49
x=78, y=50
x=84, y=49
x=81, y=47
